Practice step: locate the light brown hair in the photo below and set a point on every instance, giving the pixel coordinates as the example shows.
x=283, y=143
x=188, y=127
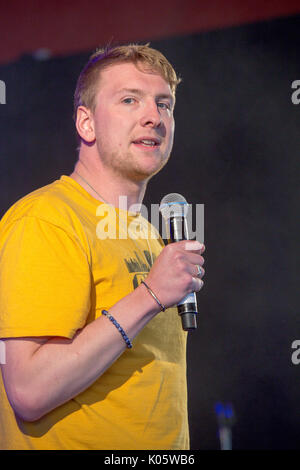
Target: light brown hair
x=143, y=56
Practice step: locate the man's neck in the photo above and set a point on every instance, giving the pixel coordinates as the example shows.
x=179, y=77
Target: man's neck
x=101, y=185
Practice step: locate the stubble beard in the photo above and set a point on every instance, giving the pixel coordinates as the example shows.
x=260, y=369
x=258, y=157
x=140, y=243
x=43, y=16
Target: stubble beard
x=127, y=167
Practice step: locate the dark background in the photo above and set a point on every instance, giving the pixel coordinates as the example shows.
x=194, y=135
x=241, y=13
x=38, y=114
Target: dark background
x=236, y=151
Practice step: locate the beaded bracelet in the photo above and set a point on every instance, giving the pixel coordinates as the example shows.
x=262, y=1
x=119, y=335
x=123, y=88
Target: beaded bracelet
x=154, y=296
x=124, y=335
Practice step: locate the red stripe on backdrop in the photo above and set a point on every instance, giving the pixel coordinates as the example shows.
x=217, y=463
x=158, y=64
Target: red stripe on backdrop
x=67, y=27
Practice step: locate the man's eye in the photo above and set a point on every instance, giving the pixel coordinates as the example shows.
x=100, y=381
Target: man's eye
x=163, y=105
x=128, y=100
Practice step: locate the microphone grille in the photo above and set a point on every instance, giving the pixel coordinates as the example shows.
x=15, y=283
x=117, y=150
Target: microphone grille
x=173, y=205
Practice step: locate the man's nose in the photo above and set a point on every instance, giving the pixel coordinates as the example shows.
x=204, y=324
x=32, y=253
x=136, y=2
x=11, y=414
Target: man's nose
x=151, y=115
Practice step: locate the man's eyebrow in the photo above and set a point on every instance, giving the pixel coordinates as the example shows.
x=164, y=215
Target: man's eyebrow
x=166, y=96
x=137, y=91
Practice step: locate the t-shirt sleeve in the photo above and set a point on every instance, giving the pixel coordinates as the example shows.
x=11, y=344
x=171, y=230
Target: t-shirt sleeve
x=45, y=280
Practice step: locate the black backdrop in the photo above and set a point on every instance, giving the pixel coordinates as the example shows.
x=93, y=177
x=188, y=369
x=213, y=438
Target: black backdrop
x=236, y=151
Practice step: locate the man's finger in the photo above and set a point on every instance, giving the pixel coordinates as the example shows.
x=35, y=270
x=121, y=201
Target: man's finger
x=194, y=246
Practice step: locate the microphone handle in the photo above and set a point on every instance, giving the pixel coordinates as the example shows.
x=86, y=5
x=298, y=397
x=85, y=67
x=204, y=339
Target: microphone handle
x=187, y=307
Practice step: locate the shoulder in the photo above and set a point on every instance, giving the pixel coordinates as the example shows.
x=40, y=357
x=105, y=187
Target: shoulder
x=54, y=204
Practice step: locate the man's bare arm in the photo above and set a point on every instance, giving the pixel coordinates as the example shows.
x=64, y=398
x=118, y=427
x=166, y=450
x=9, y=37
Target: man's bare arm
x=41, y=374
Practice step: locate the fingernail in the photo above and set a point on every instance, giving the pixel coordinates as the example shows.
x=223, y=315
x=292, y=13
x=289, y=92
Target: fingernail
x=194, y=245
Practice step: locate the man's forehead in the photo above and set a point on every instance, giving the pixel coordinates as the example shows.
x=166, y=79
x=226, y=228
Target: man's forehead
x=127, y=75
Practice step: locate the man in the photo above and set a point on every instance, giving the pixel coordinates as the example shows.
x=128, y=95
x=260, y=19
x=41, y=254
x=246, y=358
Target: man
x=71, y=300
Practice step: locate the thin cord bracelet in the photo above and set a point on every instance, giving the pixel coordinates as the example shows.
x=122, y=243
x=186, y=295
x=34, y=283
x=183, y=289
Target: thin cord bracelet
x=163, y=308
x=124, y=335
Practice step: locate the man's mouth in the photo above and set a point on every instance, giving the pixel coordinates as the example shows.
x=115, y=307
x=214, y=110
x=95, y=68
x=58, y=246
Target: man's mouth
x=147, y=143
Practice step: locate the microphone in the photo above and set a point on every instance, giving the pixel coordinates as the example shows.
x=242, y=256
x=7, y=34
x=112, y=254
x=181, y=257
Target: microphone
x=173, y=208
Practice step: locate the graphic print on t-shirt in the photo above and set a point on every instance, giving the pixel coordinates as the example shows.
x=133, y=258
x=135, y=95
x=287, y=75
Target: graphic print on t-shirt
x=138, y=266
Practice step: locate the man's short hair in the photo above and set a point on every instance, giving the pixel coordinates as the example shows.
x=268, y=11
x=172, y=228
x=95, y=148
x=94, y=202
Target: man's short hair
x=143, y=56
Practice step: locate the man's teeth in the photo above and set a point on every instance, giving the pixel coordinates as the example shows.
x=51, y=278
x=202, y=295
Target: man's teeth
x=147, y=142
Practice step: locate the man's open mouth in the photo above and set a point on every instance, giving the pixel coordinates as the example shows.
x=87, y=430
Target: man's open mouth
x=150, y=143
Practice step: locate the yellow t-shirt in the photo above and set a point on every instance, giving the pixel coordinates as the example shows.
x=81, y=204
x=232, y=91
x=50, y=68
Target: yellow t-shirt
x=57, y=272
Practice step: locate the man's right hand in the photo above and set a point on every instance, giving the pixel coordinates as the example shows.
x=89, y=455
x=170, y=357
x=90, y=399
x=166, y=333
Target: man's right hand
x=175, y=274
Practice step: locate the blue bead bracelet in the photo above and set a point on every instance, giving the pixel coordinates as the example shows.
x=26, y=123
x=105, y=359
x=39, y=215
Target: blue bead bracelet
x=124, y=335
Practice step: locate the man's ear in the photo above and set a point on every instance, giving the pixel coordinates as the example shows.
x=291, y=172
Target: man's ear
x=85, y=124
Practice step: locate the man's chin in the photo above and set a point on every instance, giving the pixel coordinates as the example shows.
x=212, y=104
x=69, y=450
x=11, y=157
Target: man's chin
x=137, y=168
x=141, y=176
x=144, y=173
